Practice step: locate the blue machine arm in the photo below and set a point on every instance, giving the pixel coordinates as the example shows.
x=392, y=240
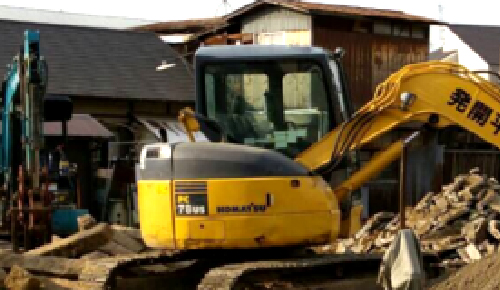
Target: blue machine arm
x=26, y=69
x=10, y=90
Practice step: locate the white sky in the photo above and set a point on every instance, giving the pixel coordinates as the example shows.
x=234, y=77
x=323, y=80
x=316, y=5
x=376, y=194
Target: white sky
x=484, y=12
x=455, y=11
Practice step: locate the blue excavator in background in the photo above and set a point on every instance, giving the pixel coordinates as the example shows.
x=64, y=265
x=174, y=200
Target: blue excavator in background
x=25, y=202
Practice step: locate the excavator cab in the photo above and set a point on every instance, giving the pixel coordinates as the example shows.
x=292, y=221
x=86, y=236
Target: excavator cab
x=277, y=97
x=283, y=98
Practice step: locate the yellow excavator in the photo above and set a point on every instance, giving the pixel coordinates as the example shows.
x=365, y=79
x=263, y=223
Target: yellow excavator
x=220, y=195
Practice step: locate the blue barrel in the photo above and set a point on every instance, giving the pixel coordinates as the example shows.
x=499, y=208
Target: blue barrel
x=65, y=221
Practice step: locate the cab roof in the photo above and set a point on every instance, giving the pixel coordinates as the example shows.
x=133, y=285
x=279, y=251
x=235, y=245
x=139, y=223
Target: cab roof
x=255, y=52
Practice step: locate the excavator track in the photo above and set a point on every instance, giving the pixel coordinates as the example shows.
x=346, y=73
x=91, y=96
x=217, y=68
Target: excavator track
x=221, y=274
x=102, y=271
x=226, y=277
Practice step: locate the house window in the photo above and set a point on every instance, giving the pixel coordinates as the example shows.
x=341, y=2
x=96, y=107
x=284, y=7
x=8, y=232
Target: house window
x=418, y=32
x=399, y=29
x=402, y=30
x=382, y=28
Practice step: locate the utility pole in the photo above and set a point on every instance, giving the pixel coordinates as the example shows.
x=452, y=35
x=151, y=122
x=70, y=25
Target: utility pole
x=441, y=27
x=225, y=6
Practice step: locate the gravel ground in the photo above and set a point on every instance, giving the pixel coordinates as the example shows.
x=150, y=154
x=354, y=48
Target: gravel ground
x=483, y=274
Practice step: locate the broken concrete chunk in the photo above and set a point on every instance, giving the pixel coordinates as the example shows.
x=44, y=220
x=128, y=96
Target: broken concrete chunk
x=465, y=194
x=373, y=222
x=490, y=249
x=381, y=242
x=477, y=183
x=492, y=182
x=86, y=222
x=459, y=182
x=342, y=248
x=442, y=203
x=451, y=216
x=19, y=278
x=462, y=252
x=481, y=194
x=424, y=202
x=494, y=229
x=358, y=249
x=495, y=206
x=473, y=252
x=490, y=196
x=475, y=231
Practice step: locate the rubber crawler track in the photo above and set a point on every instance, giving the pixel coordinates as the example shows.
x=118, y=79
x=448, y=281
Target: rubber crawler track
x=226, y=276
x=102, y=271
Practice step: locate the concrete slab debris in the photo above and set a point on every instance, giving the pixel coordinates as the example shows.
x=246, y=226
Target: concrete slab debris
x=77, y=244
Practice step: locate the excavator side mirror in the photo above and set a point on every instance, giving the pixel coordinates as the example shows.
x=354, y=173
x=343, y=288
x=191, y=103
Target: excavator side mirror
x=339, y=53
x=57, y=108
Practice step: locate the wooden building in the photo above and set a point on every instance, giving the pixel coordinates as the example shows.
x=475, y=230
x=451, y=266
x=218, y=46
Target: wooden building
x=377, y=42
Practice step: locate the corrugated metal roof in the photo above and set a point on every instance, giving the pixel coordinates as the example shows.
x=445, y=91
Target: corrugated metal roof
x=80, y=125
x=97, y=62
x=313, y=8
x=484, y=40
x=65, y=18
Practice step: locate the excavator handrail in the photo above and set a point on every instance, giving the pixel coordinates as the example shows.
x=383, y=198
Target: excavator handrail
x=413, y=94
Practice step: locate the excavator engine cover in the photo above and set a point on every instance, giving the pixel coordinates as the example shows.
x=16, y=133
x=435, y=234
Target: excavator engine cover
x=219, y=195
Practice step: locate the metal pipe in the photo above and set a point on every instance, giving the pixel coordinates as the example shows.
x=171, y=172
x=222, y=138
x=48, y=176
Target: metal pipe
x=402, y=184
x=402, y=180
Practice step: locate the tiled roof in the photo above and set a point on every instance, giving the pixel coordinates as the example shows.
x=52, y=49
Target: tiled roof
x=96, y=62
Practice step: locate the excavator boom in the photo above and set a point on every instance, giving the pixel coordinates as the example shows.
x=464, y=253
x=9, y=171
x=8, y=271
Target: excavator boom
x=435, y=93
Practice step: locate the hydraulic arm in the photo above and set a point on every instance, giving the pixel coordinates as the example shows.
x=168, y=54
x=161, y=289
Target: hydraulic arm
x=432, y=93
x=25, y=201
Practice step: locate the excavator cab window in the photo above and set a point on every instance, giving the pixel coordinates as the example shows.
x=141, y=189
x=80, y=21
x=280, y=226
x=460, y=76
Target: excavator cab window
x=281, y=104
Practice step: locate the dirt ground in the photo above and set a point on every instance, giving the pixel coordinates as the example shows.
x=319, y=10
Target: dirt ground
x=483, y=274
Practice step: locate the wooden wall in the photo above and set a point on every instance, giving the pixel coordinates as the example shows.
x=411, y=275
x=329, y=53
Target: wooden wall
x=370, y=58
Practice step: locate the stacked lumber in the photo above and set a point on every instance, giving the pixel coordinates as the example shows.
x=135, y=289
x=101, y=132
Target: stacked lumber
x=460, y=224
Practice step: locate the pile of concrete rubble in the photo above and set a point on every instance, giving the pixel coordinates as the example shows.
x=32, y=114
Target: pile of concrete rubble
x=460, y=224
